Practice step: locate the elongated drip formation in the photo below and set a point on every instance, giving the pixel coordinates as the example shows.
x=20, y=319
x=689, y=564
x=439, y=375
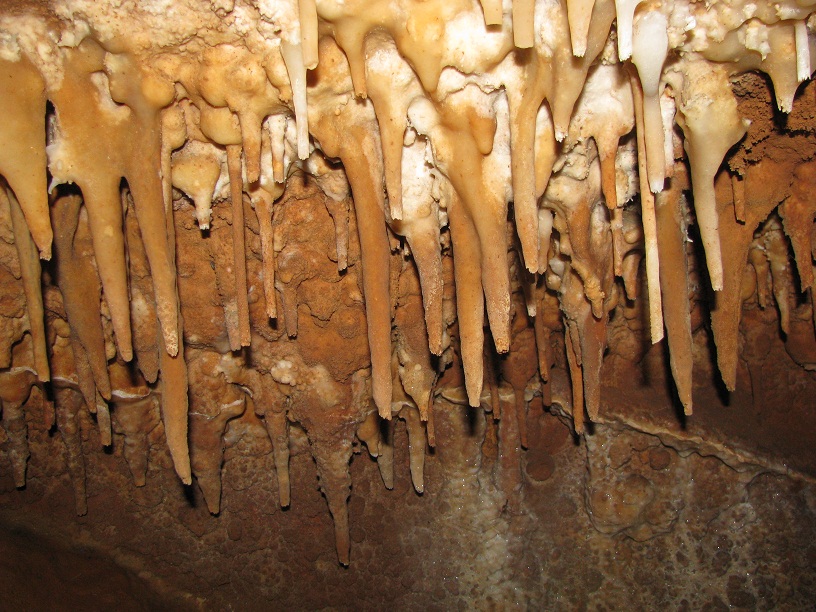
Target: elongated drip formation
x=134, y=138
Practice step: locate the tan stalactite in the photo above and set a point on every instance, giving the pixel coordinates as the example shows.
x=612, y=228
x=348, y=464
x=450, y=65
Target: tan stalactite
x=416, y=446
x=103, y=421
x=524, y=23
x=570, y=72
x=144, y=322
x=374, y=249
x=339, y=511
x=263, y=210
x=330, y=443
x=576, y=380
x=482, y=205
x=492, y=11
x=524, y=109
x=79, y=284
x=174, y=379
x=674, y=283
x=307, y=13
x=388, y=91
x=136, y=419
x=238, y=242
x=647, y=206
x=195, y=170
x=469, y=298
x=347, y=137
x=707, y=112
x=579, y=13
x=97, y=167
x=777, y=63
x=649, y=51
x=146, y=94
x=174, y=403
x=590, y=345
x=23, y=158
x=277, y=425
x=207, y=449
x=415, y=370
x=339, y=211
x=543, y=334
x=761, y=199
x=293, y=58
x=31, y=273
x=270, y=403
x=625, y=11
x=421, y=229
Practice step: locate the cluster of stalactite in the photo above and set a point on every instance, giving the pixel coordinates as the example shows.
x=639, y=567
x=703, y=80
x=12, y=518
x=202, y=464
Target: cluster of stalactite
x=597, y=127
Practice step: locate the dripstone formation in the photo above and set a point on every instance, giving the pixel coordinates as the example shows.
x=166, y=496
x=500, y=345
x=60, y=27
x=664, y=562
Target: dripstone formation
x=551, y=262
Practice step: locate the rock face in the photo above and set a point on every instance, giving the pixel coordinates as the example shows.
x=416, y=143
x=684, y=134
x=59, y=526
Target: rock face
x=549, y=264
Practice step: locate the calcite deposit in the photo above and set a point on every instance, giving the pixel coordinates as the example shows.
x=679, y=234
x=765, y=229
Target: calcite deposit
x=238, y=234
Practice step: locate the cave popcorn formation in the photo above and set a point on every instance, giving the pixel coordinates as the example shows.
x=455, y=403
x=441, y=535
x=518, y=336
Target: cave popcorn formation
x=426, y=126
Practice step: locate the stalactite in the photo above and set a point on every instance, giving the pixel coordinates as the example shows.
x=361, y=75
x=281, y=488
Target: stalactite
x=263, y=209
x=31, y=274
x=79, y=284
x=736, y=241
x=416, y=446
x=206, y=450
x=97, y=168
x=647, y=206
x=469, y=298
x=142, y=302
x=674, y=283
x=710, y=121
x=238, y=249
x=23, y=160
